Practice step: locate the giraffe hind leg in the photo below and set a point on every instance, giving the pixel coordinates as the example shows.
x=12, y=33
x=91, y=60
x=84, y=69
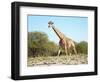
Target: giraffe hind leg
x=75, y=51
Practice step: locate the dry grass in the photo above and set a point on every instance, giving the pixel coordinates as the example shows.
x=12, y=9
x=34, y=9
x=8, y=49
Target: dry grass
x=51, y=60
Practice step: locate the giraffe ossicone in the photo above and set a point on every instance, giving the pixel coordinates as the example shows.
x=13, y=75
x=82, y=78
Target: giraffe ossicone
x=50, y=23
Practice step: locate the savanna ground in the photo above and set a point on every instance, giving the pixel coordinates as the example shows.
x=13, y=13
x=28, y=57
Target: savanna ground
x=55, y=60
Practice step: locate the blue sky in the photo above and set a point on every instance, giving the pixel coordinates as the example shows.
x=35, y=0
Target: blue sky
x=75, y=28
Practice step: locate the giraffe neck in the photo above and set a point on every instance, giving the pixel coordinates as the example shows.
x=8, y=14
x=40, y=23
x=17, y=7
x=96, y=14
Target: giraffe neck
x=58, y=33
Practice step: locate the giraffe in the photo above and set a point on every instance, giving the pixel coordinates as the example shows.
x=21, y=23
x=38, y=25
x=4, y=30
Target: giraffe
x=65, y=42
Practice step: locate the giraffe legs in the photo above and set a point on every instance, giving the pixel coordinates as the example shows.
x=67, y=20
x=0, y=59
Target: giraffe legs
x=59, y=52
x=75, y=50
x=70, y=51
x=66, y=50
x=58, y=55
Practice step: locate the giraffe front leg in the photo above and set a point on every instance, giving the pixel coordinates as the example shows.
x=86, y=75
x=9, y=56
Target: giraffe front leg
x=67, y=57
x=59, y=52
x=57, y=61
x=66, y=51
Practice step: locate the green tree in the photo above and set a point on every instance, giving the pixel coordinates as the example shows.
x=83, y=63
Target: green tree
x=40, y=45
x=82, y=47
x=37, y=39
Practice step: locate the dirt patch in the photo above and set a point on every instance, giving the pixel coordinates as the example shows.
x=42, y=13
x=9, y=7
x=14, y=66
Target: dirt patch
x=51, y=60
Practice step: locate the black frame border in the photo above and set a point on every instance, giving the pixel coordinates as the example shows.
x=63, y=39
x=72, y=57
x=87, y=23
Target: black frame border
x=15, y=40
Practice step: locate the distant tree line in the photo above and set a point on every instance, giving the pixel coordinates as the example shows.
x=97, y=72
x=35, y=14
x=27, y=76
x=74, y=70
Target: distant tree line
x=40, y=45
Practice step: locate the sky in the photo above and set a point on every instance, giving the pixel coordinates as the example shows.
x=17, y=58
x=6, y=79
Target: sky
x=73, y=27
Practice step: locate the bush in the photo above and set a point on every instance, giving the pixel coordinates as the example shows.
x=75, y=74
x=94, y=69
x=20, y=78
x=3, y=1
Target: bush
x=82, y=47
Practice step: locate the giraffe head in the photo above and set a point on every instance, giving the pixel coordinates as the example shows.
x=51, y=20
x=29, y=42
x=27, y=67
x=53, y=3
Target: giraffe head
x=50, y=24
